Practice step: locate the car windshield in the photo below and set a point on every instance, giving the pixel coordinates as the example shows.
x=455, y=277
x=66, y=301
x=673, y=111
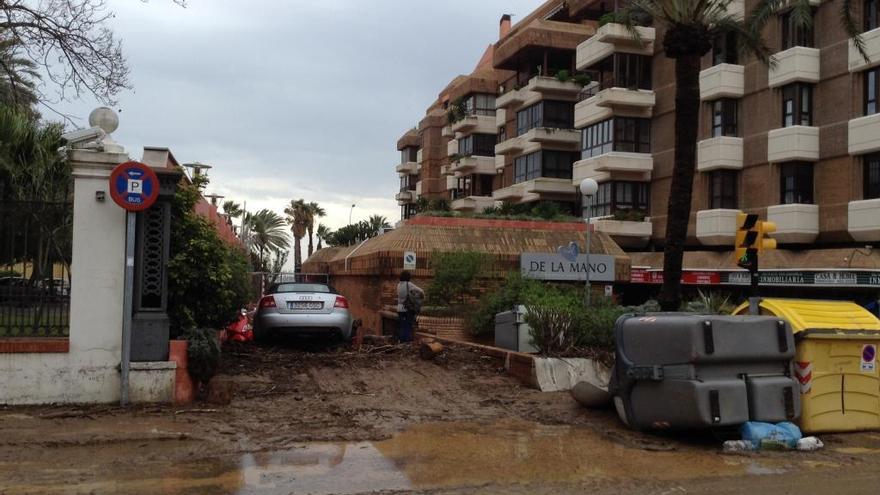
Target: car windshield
x=302, y=288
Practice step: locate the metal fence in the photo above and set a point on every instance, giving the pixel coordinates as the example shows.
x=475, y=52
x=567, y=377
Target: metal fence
x=35, y=252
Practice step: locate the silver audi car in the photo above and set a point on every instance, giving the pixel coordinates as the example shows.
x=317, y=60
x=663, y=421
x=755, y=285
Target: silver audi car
x=302, y=309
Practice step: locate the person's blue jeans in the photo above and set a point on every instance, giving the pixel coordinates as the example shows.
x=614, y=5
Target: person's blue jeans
x=405, y=326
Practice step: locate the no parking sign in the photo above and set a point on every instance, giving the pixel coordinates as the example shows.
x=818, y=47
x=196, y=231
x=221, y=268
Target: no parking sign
x=134, y=186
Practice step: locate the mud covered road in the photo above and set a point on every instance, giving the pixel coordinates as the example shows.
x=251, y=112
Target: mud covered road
x=380, y=420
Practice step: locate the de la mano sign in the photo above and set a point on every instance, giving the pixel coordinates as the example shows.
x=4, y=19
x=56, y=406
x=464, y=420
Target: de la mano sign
x=552, y=266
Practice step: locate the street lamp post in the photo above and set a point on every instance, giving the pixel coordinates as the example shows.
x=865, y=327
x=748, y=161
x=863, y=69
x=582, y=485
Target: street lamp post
x=349, y=214
x=588, y=188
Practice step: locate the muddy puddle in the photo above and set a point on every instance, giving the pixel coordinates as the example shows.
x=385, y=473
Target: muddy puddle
x=433, y=455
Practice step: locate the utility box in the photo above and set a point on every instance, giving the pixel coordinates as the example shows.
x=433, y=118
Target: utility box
x=687, y=371
x=512, y=332
x=835, y=364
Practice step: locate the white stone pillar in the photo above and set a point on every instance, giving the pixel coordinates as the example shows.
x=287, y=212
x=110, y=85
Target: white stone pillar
x=98, y=275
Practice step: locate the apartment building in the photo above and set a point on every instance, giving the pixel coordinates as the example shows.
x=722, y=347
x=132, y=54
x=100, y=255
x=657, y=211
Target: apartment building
x=797, y=142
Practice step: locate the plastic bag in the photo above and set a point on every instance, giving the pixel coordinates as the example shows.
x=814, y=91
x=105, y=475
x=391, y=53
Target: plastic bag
x=769, y=436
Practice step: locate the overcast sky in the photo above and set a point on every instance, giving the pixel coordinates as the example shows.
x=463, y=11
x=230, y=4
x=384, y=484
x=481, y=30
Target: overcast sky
x=294, y=99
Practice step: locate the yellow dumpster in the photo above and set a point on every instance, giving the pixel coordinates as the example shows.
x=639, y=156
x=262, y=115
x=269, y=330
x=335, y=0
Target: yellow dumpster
x=835, y=363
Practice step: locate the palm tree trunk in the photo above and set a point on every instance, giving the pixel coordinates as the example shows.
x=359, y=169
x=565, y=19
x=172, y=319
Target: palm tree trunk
x=311, y=246
x=687, y=109
x=297, y=255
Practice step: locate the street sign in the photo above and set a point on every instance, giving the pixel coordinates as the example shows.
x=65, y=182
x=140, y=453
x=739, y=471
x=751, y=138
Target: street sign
x=553, y=266
x=134, y=186
x=409, y=260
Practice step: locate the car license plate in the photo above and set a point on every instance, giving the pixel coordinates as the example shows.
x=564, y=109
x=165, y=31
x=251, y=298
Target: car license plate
x=306, y=305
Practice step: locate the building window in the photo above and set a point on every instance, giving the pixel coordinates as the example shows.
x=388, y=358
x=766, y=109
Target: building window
x=624, y=70
x=794, y=34
x=479, y=104
x=617, y=134
x=872, y=176
x=619, y=195
x=477, y=144
x=724, y=49
x=872, y=16
x=797, y=104
x=553, y=164
x=724, y=118
x=872, y=91
x=796, y=183
x=409, y=154
x=408, y=182
x=723, y=189
x=548, y=113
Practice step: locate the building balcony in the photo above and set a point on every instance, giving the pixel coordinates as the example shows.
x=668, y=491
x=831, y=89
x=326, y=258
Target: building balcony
x=797, y=142
x=864, y=135
x=614, y=101
x=722, y=81
x=872, y=46
x=717, y=227
x=795, y=224
x=476, y=204
x=447, y=132
x=723, y=152
x=474, y=165
x=408, y=168
x=737, y=8
x=552, y=88
x=627, y=234
x=532, y=34
x=418, y=190
x=511, y=99
x=612, y=38
x=419, y=156
x=452, y=147
x=500, y=118
x=510, y=146
x=568, y=139
x=499, y=163
x=864, y=220
x=797, y=64
x=446, y=169
x=635, y=166
x=404, y=197
x=476, y=124
x=451, y=183
x=536, y=189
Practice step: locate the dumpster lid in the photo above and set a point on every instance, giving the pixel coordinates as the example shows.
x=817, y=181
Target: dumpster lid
x=812, y=314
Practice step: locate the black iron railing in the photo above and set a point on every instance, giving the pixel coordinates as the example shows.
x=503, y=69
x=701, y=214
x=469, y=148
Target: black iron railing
x=35, y=252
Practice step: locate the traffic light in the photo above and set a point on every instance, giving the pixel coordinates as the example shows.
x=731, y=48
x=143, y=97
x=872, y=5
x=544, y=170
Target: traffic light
x=764, y=242
x=747, y=236
x=752, y=239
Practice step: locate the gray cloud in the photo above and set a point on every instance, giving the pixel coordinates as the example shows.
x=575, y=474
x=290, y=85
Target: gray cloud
x=290, y=99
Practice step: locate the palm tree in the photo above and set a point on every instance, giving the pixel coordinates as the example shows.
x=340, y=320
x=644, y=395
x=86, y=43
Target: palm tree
x=267, y=233
x=298, y=217
x=689, y=27
x=17, y=76
x=322, y=233
x=376, y=224
x=232, y=209
x=315, y=212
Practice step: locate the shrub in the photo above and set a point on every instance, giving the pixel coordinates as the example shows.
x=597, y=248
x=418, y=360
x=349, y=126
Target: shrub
x=454, y=276
x=203, y=353
x=563, y=76
x=516, y=290
x=712, y=303
x=441, y=204
x=208, y=281
x=630, y=215
x=582, y=79
x=607, y=18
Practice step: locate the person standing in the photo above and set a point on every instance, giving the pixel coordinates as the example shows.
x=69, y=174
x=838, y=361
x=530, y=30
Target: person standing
x=409, y=302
